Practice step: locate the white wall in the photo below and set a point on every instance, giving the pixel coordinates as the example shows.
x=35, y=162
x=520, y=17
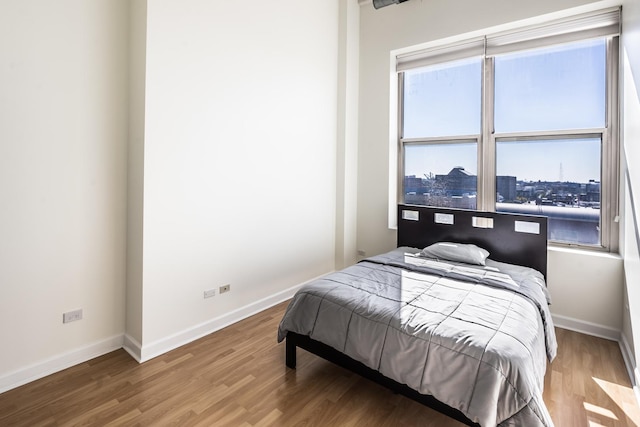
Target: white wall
x=239, y=157
x=63, y=121
x=417, y=22
x=631, y=153
x=229, y=177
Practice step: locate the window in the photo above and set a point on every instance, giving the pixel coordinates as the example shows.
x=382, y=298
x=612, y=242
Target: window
x=555, y=88
x=524, y=122
x=424, y=182
x=441, y=128
x=443, y=100
x=558, y=178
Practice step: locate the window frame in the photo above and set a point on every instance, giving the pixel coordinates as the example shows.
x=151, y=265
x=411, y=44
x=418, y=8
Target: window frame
x=487, y=140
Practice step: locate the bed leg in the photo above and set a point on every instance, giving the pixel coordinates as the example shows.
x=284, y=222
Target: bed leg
x=290, y=355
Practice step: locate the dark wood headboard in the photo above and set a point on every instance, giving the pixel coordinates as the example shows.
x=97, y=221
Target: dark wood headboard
x=516, y=239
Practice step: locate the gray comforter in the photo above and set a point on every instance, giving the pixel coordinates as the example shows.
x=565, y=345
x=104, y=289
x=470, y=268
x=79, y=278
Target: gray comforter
x=476, y=338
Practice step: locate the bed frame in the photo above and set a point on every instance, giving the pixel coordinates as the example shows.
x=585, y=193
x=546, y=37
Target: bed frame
x=515, y=239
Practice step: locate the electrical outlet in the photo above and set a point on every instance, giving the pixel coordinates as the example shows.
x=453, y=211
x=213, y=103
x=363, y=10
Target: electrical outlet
x=72, y=316
x=209, y=293
x=225, y=288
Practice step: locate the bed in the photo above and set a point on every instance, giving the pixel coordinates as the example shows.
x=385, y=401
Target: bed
x=456, y=317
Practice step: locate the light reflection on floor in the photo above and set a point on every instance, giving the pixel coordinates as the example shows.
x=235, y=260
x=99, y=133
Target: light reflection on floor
x=624, y=398
x=600, y=411
x=587, y=384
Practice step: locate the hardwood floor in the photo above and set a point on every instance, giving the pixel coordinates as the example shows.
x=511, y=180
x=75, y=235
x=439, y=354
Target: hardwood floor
x=237, y=377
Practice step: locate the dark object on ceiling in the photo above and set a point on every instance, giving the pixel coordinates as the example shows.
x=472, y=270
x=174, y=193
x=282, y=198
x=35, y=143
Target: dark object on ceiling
x=382, y=3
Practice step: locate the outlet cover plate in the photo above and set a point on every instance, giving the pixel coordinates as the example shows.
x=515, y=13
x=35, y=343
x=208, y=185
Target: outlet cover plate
x=72, y=316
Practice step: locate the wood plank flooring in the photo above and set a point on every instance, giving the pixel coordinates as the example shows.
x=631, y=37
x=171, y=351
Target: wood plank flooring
x=237, y=377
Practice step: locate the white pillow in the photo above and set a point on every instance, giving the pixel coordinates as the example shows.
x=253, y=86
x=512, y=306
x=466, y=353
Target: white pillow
x=458, y=252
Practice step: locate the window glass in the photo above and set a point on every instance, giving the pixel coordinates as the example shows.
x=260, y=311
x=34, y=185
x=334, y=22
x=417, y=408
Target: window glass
x=443, y=100
x=559, y=179
x=562, y=87
x=441, y=175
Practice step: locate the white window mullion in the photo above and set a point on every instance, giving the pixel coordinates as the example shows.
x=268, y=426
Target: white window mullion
x=610, y=154
x=486, y=146
x=400, y=150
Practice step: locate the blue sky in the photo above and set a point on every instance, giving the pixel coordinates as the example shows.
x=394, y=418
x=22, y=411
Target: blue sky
x=552, y=89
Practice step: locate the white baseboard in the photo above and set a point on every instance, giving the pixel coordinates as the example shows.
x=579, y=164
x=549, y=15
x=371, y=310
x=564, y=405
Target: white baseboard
x=133, y=347
x=143, y=353
x=58, y=363
x=629, y=363
x=588, y=328
x=139, y=352
x=186, y=336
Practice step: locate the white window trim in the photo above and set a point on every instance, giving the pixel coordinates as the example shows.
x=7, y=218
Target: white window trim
x=590, y=24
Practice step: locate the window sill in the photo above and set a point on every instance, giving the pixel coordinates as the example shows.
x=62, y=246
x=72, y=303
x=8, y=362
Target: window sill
x=583, y=252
